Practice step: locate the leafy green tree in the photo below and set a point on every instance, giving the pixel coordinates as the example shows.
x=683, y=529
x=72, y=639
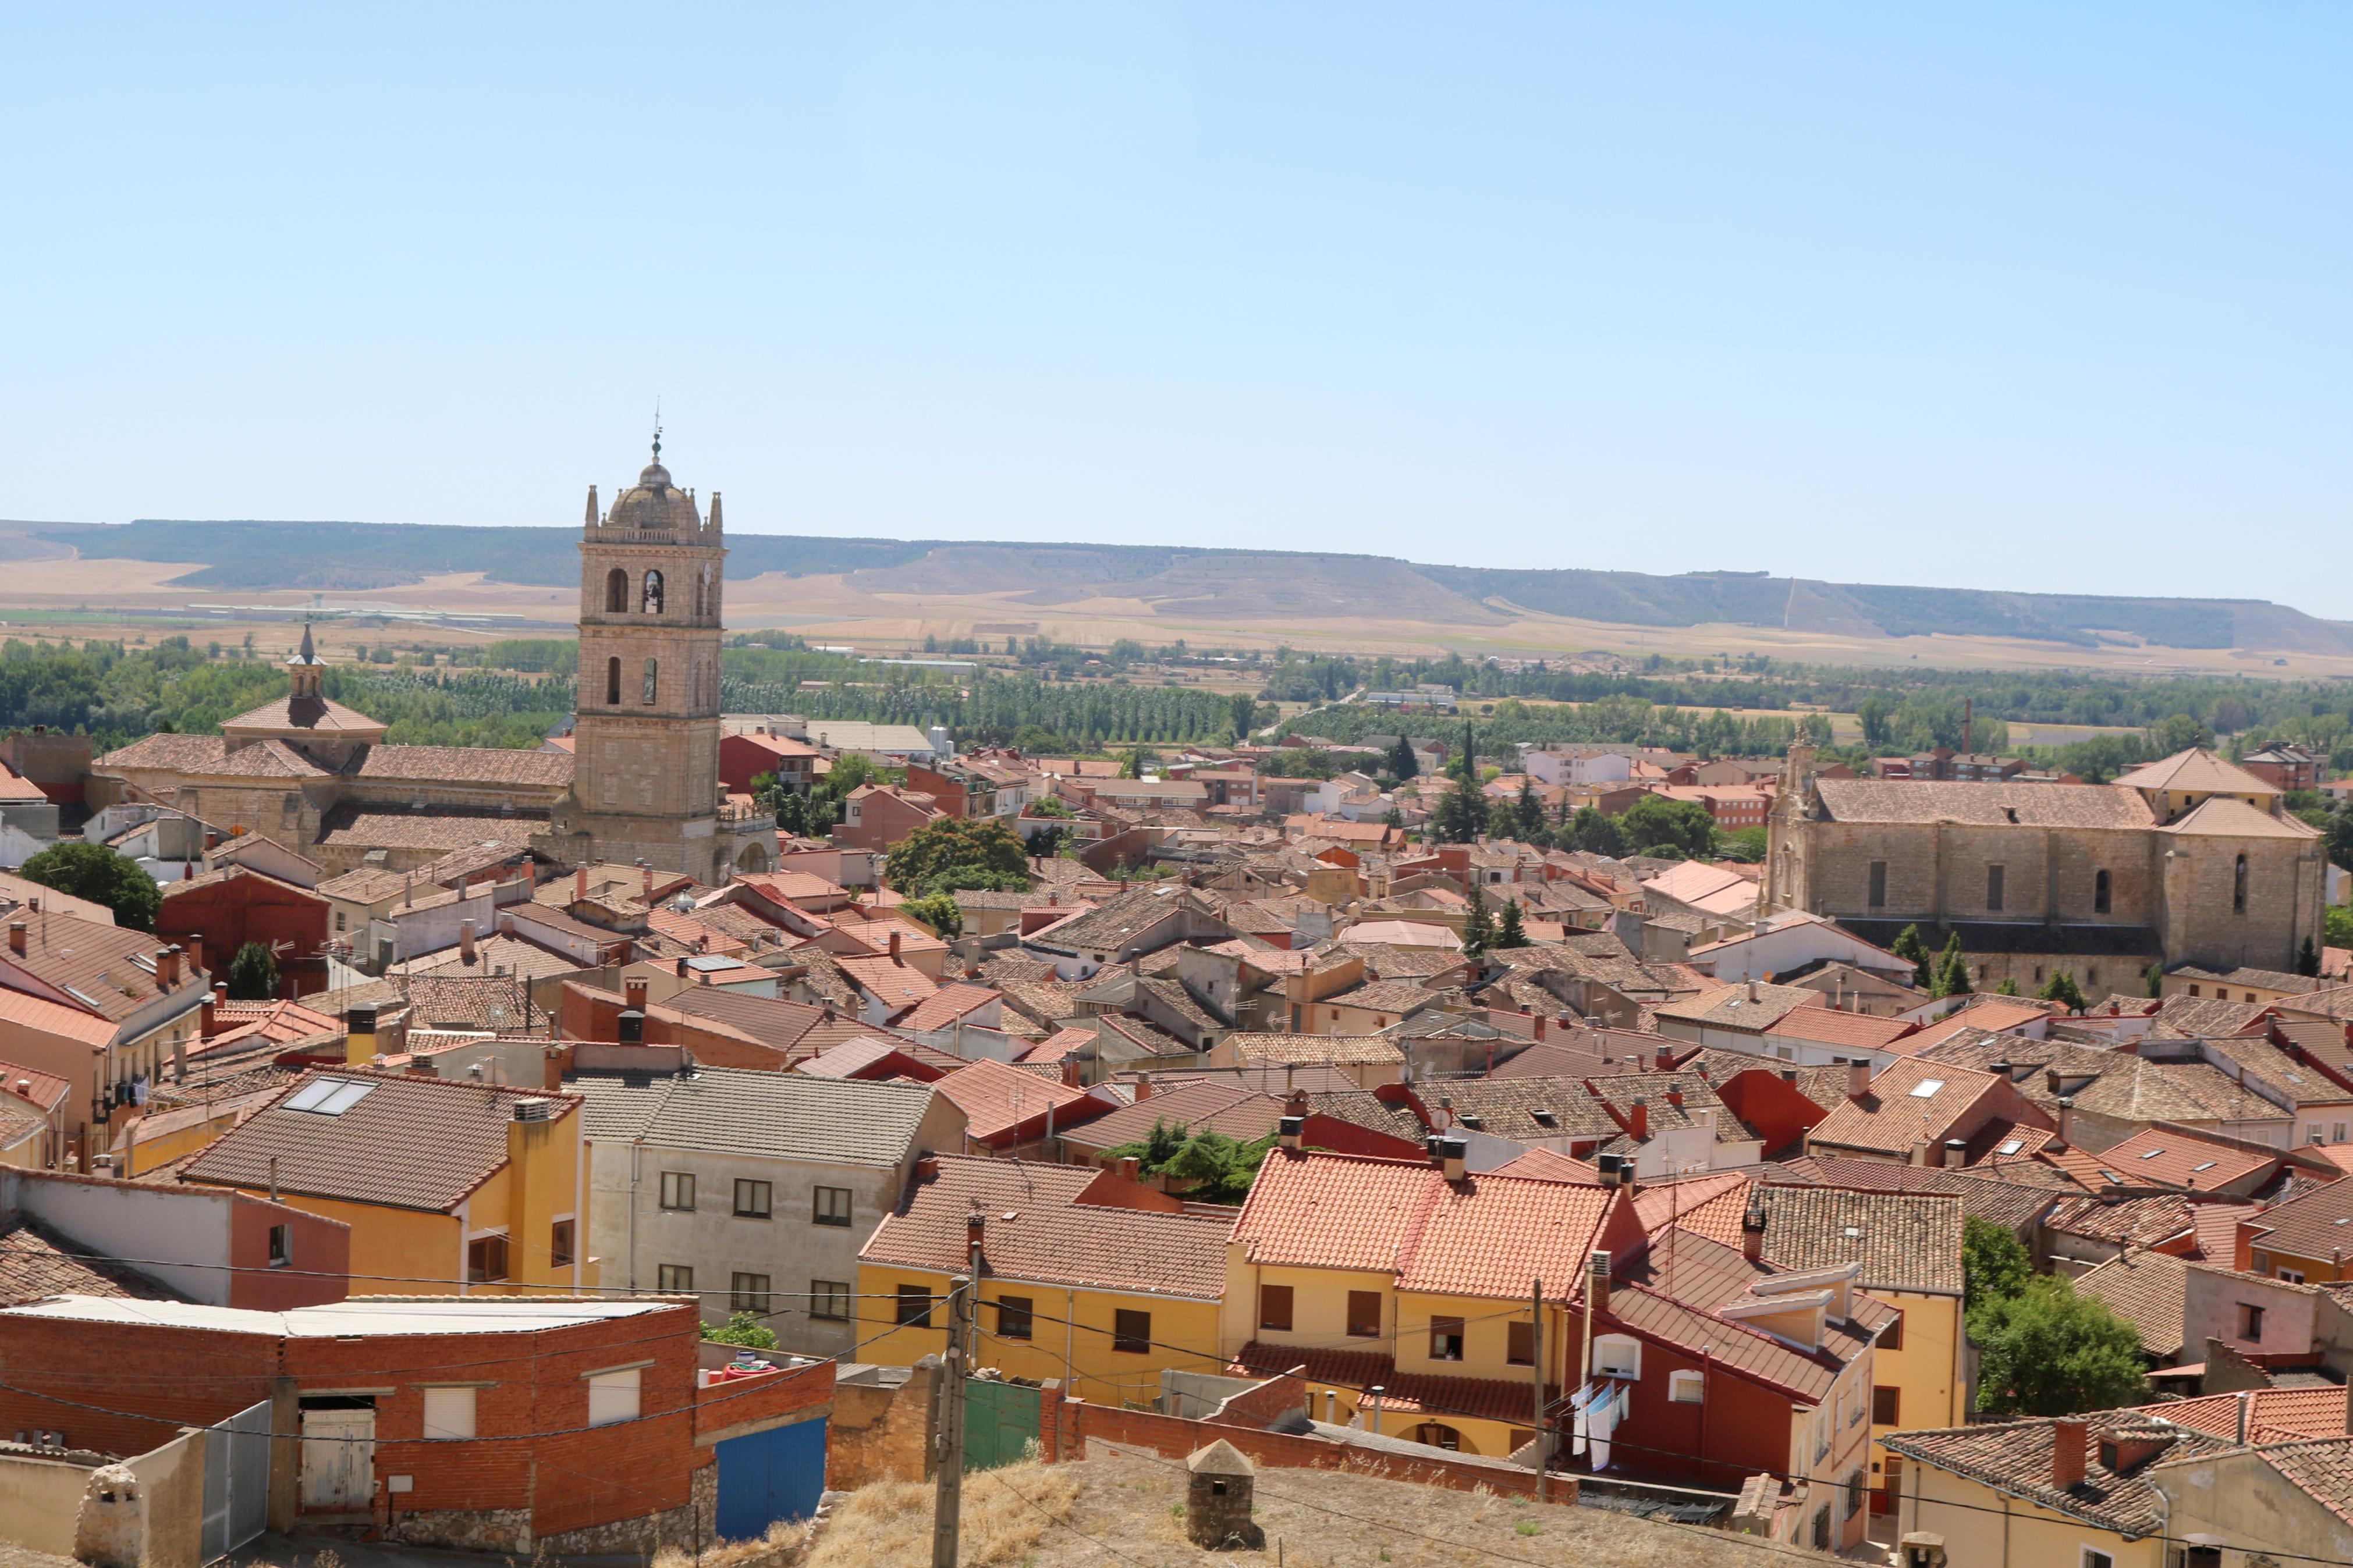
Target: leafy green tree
x=1527, y=814
x=2308, y=959
x=1874, y=712
x=1402, y=763
x=1214, y=1169
x=925, y=860
x=2049, y=1351
x=2340, y=838
x=939, y=911
x=1244, y=707
x=1507, y=926
x=1994, y=1263
x=1913, y=948
x=2337, y=926
x=1655, y=823
x=2178, y=733
x=1137, y=761
x=1744, y=843
x=253, y=973
x=1461, y=817
x=2156, y=978
x=1478, y=929
x=793, y=814
x=1597, y=835
x=2008, y=987
x=2062, y=987
x=1952, y=971
x=851, y=771
x=93, y=871
x=744, y=1329
x=1152, y=1153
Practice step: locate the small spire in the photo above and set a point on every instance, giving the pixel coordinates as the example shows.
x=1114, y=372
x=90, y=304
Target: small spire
x=658, y=430
x=592, y=505
x=310, y=655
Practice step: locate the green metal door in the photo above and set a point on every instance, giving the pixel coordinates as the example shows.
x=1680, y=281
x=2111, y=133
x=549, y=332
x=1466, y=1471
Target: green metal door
x=1000, y=1422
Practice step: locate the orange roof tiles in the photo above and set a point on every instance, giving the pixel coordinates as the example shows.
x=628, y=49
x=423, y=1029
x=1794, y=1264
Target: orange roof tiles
x=1828, y=1026
x=997, y=1100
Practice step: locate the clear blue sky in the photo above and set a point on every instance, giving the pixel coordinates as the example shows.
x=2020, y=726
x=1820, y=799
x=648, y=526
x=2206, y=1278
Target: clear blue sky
x=1992, y=295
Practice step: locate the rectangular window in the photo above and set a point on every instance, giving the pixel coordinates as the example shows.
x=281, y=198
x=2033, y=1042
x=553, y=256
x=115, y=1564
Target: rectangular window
x=1686, y=1387
x=831, y=1205
x=2096, y=1558
x=748, y=1293
x=1878, y=884
x=2312, y=1134
x=1274, y=1307
x=2251, y=1322
x=2293, y=1276
x=281, y=1245
x=1993, y=887
x=2336, y=1133
x=829, y=1300
x=448, y=1414
x=340, y=920
x=752, y=1200
x=559, y=1245
x=915, y=1307
x=1445, y=1339
x=613, y=1396
x=677, y=1279
x=678, y=1190
x=1891, y=1338
x=1015, y=1315
x=486, y=1259
x=1520, y=1346
x=1130, y=1331
x=1884, y=1405
x=1365, y=1314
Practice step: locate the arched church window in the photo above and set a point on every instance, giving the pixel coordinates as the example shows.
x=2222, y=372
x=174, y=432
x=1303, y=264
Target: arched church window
x=617, y=592
x=612, y=683
x=653, y=678
x=2239, y=888
x=702, y=586
x=653, y=596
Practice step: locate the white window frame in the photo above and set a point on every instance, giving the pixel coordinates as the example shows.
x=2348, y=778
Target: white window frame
x=1686, y=1388
x=1617, y=1355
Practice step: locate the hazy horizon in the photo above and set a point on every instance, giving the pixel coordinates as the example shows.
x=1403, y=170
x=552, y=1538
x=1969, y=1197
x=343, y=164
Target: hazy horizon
x=2002, y=298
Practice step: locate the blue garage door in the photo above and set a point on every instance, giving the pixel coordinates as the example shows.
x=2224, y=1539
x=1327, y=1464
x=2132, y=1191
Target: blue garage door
x=770, y=1476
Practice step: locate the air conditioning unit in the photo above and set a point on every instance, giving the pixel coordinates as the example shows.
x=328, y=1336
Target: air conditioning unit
x=534, y=1111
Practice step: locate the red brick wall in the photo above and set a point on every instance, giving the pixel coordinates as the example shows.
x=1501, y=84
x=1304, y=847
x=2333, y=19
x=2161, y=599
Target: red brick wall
x=52, y=1371
x=229, y=914
x=589, y=1014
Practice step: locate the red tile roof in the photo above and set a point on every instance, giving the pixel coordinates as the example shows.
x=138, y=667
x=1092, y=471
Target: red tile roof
x=997, y=1100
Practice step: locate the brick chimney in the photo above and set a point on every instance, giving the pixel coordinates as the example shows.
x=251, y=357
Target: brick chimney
x=2069, y=1441
x=207, y=1020
x=927, y=1169
x=1675, y=1098
x=976, y=1225
x=1070, y=1072
x=894, y=946
x=1637, y=1121
x=17, y=938
x=580, y=884
x=1540, y=1027
x=634, y=993
x=646, y=881
x=1858, y=1079
x=167, y=967
x=466, y=942
x=1130, y=1168
x=196, y=946
x=1596, y=1287
x=1665, y=1061
x=1144, y=1086
x=1752, y=1231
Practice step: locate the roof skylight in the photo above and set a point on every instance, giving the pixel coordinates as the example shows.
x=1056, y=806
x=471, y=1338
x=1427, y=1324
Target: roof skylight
x=329, y=1096
x=1927, y=1087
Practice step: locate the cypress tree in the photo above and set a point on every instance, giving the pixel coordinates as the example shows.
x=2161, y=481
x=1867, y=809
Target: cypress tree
x=1912, y=946
x=1478, y=931
x=1953, y=971
x=1507, y=928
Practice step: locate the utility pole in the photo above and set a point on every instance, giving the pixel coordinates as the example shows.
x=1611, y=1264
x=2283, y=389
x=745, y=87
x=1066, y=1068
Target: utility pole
x=1536, y=1357
x=948, y=1441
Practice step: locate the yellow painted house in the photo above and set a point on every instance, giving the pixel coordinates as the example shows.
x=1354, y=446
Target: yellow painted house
x=1083, y=1276
x=469, y=1188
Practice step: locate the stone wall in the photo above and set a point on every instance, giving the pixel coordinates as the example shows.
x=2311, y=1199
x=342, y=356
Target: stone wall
x=882, y=1426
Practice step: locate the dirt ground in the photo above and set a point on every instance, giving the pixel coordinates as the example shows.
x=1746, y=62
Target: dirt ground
x=1120, y=1507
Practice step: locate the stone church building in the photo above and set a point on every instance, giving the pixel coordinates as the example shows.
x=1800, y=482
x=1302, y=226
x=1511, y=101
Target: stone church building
x=642, y=782
x=2190, y=859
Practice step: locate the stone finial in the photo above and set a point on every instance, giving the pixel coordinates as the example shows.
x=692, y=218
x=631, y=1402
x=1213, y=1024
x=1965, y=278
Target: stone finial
x=592, y=505
x=713, y=524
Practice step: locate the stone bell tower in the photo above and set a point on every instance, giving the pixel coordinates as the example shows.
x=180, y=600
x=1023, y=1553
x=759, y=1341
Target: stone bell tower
x=646, y=771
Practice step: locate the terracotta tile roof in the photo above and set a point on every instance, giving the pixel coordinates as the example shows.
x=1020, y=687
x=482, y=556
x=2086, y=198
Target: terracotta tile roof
x=1119, y=921
x=2195, y=771
x=36, y=1262
x=1362, y=1108
x=467, y=765
x=1676, y=1291
x=408, y=1142
x=108, y=970
x=1039, y=1228
x=1486, y=1235
x=2317, y=1225
x=1983, y=805
x=892, y=982
x=43, y=1017
x=2176, y=1157
x=1543, y=1164
x=1196, y=1105
x=2322, y=1469
x=988, y=1093
x=1373, y=1051
x=435, y=827
x=491, y=955
x=769, y=1115
x=2016, y=1457
x=2195, y=1017
x=1059, y=1043
x=2149, y=1291
x=1750, y=1006
x=471, y=1002
x=1904, y=1241
x=2140, y=1221
x=945, y=1006
x=1828, y=1026
x=2011, y=1204
x=1910, y=1103
x=1709, y=1205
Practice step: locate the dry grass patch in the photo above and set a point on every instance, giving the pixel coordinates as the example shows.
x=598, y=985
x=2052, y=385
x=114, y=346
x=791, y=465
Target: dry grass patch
x=1007, y=1516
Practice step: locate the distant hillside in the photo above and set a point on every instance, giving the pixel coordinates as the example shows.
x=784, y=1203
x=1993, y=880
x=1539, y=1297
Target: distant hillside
x=1227, y=584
